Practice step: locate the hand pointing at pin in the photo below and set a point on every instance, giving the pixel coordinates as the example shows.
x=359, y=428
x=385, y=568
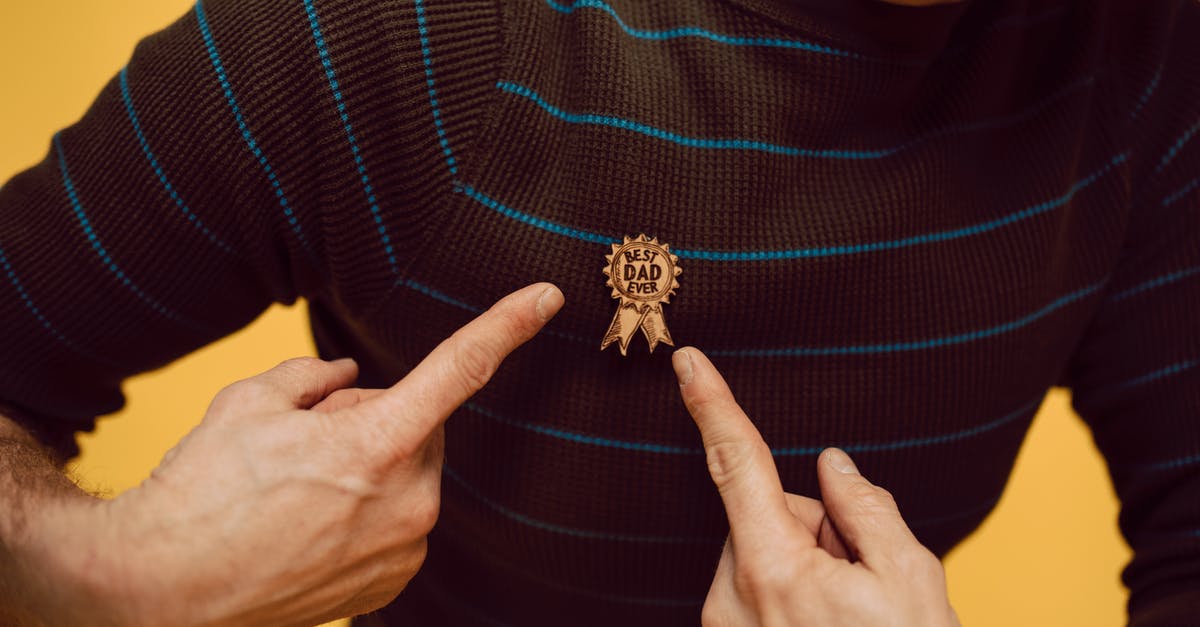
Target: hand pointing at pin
x=790, y=560
x=297, y=500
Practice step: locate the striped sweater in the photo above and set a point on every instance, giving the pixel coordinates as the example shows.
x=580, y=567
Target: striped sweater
x=898, y=227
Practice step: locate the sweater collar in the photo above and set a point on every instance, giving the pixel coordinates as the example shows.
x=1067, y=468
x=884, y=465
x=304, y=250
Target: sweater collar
x=873, y=27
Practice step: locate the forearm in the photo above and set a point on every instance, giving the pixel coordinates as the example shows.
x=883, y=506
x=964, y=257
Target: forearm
x=42, y=559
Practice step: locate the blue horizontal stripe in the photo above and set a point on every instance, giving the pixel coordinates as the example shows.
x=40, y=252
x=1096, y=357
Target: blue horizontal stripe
x=700, y=33
x=861, y=349
x=214, y=56
x=806, y=253
x=1177, y=147
x=45, y=323
x=898, y=347
x=454, y=302
x=1162, y=373
x=536, y=222
x=1173, y=464
x=713, y=541
x=1157, y=282
x=1147, y=93
x=368, y=189
x=779, y=149
x=876, y=447
x=667, y=34
x=1187, y=188
x=1151, y=377
x=438, y=296
x=916, y=240
x=106, y=259
x=585, y=534
x=195, y=220
x=802, y=451
x=580, y=438
x=683, y=140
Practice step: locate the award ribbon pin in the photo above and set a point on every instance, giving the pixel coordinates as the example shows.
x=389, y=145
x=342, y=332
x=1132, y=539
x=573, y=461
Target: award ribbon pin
x=641, y=273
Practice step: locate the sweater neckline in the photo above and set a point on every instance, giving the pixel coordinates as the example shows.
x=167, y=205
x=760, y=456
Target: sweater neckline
x=872, y=27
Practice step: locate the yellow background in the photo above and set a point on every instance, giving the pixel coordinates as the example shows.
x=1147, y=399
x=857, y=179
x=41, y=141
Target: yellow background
x=1049, y=555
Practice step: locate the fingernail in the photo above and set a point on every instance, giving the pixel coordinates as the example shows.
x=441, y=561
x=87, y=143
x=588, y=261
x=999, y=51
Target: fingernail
x=343, y=360
x=549, y=303
x=840, y=461
x=682, y=362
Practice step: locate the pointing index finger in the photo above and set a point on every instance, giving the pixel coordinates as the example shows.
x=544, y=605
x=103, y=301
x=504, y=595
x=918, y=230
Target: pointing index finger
x=739, y=460
x=464, y=362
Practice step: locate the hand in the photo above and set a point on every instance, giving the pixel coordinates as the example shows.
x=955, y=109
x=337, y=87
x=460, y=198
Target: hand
x=791, y=560
x=298, y=500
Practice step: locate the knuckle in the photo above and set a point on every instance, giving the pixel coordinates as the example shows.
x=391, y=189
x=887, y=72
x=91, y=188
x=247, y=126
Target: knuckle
x=421, y=509
x=297, y=376
x=861, y=491
x=221, y=402
x=762, y=580
x=472, y=364
x=755, y=585
x=237, y=395
x=884, y=501
x=728, y=460
x=425, y=517
x=299, y=364
x=413, y=559
x=702, y=401
x=517, y=321
x=872, y=499
x=420, y=552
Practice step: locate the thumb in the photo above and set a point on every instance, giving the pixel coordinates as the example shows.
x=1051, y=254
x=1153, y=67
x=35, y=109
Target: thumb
x=345, y=397
x=297, y=383
x=865, y=515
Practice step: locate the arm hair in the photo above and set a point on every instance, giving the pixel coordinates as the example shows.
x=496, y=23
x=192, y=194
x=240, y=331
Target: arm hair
x=31, y=479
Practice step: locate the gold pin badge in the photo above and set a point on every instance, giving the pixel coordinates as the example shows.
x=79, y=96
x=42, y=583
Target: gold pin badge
x=641, y=273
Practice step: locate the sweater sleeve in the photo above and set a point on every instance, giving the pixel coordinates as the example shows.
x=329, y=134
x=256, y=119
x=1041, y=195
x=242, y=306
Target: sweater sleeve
x=173, y=213
x=1136, y=376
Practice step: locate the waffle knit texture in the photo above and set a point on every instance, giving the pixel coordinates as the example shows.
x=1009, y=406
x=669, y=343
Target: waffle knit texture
x=898, y=227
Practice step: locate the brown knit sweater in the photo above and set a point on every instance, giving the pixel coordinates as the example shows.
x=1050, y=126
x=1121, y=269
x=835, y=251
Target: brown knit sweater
x=897, y=227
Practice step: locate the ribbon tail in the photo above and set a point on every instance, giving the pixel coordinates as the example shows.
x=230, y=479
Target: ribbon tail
x=625, y=324
x=654, y=325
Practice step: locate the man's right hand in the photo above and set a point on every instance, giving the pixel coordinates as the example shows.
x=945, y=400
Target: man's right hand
x=297, y=499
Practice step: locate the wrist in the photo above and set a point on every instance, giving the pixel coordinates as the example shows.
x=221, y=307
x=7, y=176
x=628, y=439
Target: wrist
x=73, y=568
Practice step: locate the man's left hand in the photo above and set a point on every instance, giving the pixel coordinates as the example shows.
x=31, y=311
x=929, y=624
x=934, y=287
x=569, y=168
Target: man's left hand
x=848, y=559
